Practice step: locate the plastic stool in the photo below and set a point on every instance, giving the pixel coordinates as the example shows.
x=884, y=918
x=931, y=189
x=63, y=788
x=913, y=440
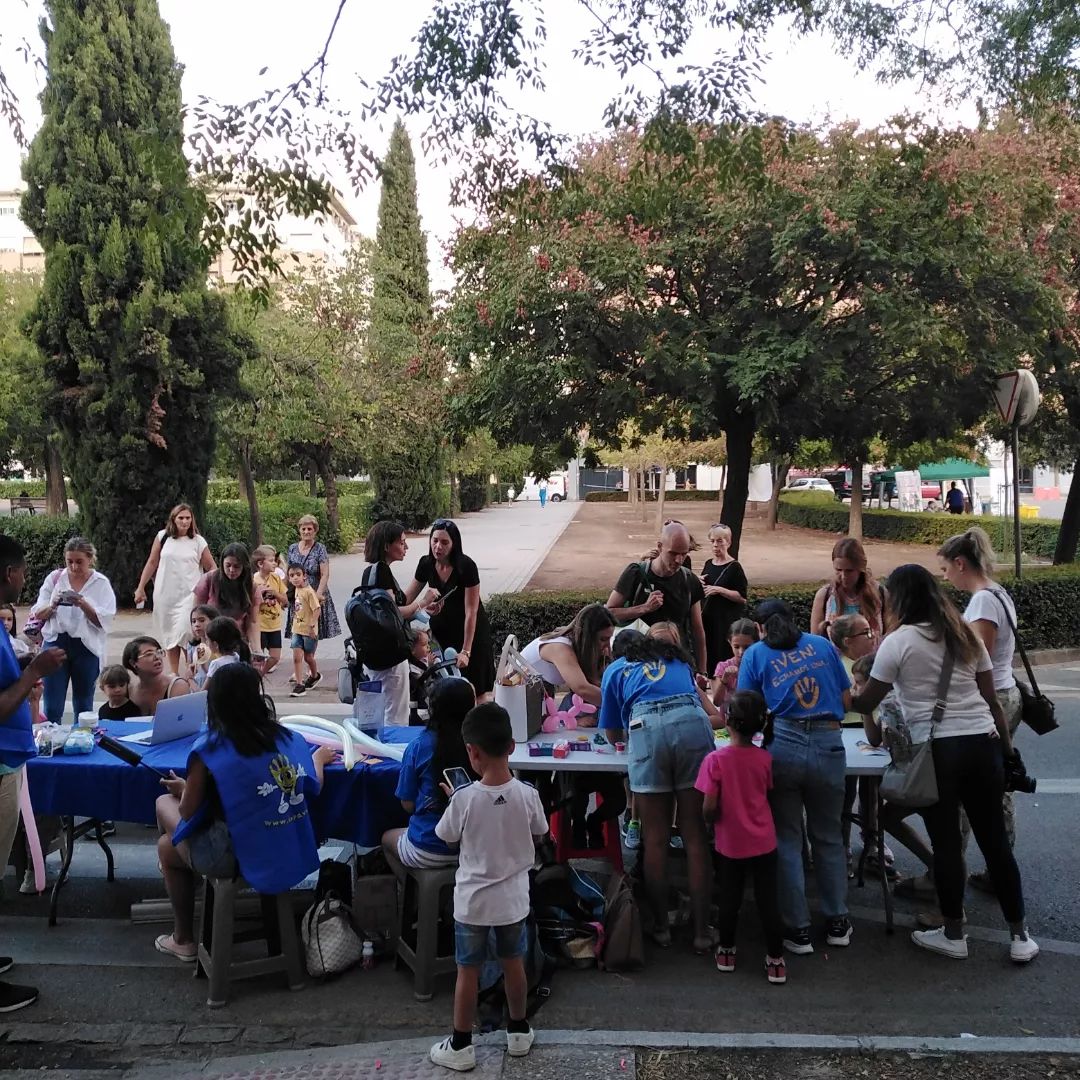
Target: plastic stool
x=564, y=844
x=217, y=937
x=418, y=944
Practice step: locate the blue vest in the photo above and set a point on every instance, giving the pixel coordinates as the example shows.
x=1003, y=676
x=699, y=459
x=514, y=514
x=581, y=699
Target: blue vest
x=16, y=731
x=265, y=801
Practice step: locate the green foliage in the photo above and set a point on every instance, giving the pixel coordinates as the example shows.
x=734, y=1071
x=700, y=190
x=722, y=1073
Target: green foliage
x=229, y=520
x=136, y=349
x=23, y=392
x=218, y=490
x=678, y=495
x=809, y=510
x=408, y=484
x=1047, y=604
x=44, y=539
x=11, y=489
x=473, y=492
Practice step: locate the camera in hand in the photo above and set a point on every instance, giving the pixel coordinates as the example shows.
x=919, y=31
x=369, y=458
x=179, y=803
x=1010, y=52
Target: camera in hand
x=1016, y=774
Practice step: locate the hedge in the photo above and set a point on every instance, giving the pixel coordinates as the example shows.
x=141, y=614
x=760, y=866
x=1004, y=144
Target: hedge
x=1047, y=603
x=678, y=495
x=12, y=489
x=44, y=537
x=224, y=489
x=810, y=510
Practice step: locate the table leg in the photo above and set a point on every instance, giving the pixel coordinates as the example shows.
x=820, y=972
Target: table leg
x=883, y=870
x=68, y=825
x=109, y=875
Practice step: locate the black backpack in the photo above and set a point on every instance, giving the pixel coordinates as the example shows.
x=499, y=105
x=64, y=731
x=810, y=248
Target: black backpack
x=378, y=630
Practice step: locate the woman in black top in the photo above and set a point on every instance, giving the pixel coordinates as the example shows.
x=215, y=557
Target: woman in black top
x=725, y=597
x=458, y=619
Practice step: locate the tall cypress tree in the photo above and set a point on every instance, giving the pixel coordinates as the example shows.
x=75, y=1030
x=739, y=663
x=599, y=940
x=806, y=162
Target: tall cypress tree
x=136, y=347
x=407, y=463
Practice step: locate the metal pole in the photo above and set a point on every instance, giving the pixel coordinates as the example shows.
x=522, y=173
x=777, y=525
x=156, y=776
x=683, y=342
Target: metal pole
x=1016, y=494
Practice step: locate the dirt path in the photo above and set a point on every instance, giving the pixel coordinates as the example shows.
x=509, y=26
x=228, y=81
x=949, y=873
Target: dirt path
x=604, y=537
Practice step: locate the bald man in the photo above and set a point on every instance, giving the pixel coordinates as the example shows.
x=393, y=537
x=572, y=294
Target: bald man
x=661, y=589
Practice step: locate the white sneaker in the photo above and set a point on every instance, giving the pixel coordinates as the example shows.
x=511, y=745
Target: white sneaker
x=1022, y=950
x=28, y=888
x=444, y=1054
x=936, y=941
x=518, y=1043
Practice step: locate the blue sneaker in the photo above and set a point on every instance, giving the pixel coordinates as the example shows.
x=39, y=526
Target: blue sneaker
x=632, y=835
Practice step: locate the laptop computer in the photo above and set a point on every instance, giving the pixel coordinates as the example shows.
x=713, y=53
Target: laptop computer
x=176, y=718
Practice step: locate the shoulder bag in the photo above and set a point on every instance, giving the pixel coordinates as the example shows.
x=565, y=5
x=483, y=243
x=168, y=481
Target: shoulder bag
x=910, y=779
x=331, y=945
x=1036, y=710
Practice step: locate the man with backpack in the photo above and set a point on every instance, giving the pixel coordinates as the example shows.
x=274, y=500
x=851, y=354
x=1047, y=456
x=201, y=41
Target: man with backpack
x=661, y=589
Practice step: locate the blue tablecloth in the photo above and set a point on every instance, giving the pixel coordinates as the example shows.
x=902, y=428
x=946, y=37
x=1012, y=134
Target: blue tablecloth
x=358, y=805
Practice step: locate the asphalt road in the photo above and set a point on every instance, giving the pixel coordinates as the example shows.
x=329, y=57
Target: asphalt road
x=98, y=970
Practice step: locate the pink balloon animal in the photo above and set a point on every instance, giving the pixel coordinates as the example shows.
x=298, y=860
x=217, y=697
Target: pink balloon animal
x=567, y=720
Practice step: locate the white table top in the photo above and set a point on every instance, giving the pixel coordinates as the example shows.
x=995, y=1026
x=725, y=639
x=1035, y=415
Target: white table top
x=860, y=761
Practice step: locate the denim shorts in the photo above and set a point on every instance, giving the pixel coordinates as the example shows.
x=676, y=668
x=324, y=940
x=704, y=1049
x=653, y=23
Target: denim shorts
x=471, y=942
x=302, y=641
x=667, y=749
x=211, y=851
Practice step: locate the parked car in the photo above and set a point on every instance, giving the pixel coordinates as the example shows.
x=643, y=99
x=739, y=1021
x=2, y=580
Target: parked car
x=840, y=481
x=809, y=483
x=556, y=488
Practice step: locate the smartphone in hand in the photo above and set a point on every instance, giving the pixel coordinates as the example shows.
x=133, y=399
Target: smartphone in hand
x=456, y=778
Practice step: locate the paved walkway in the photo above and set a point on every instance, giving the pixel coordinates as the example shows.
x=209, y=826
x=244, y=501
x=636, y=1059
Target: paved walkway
x=508, y=544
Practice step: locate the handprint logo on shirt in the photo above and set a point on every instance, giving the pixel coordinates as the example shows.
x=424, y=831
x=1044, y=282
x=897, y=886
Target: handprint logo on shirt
x=807, y=692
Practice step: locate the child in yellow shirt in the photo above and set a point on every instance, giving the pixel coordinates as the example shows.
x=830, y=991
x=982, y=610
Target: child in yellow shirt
x=305, y=630
x=273, y=596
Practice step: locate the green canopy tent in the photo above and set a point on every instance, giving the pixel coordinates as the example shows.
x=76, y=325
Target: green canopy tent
x=937, y=472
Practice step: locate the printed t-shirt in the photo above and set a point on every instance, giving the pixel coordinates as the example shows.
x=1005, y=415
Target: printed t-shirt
x=740, y=777
x=910, y=661
x=986, y=605
x=417, y=785
x=495, y=827
x=625, y=684
x=798, y=683
x=273, y=594
x=305, y=622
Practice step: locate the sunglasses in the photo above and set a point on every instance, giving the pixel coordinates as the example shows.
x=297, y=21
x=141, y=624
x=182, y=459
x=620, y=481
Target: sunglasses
x=441, y=523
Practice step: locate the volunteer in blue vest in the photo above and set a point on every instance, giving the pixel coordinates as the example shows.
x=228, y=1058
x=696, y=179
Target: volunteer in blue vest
x=806, y=688
x=244, y=803
x=16, y=734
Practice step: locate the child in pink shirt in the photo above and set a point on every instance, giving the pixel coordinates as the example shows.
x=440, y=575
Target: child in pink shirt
x=741, y=636
x=735, y=781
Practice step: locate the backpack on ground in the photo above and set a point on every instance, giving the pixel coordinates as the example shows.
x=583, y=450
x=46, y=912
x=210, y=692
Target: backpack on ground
x=378, y=631
x=624, y=943
x=539, y=971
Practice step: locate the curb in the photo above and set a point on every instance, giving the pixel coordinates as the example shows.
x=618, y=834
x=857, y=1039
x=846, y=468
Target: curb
x=626, y=1041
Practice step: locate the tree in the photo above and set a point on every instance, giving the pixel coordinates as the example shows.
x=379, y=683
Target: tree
x=136, y=348
x=406, y=458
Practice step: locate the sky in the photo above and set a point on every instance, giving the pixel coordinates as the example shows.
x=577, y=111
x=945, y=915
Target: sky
x=223, y=45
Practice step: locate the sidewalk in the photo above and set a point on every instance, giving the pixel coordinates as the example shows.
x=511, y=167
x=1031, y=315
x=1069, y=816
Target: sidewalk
x=508, y=544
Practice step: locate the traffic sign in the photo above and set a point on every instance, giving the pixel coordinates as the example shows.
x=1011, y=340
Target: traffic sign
x=1017, y=396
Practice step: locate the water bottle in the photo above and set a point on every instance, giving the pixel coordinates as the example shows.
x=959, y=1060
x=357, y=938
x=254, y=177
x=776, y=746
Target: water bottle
x=367, y=960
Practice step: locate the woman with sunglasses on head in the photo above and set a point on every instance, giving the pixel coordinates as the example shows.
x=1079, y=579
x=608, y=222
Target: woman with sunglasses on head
x=145, y=659
x=458, y=619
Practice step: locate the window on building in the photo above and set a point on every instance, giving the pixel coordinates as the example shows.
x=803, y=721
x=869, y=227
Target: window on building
x=1027, y=480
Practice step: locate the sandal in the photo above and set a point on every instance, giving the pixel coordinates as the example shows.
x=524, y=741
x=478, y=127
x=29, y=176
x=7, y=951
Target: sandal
x=661, y=937
x=165, y=944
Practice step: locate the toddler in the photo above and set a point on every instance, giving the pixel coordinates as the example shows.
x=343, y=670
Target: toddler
x=273, y=596
x=736, y=781
x=305, y=630
x=496, y=822
x=419, y=662
x=114, y=683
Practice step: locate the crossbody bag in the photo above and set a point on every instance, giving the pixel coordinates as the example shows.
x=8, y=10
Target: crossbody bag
x=1036, y=709
x=910, y=778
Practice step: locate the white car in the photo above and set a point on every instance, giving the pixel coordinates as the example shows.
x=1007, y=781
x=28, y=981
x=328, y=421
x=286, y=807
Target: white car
x=556, y=489
x=810, y=483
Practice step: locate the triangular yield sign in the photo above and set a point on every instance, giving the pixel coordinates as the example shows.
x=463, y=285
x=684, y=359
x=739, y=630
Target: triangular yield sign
x=1007, y=395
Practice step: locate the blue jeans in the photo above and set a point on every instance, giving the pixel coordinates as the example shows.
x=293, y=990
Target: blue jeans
x=81, y=669
x=808, y=775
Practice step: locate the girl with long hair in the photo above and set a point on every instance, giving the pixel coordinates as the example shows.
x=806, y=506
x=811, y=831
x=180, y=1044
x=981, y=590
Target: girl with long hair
x=426, y=758
x=178, y=555
x=231, y=589
x=243, y=804
x=805, y=687
x=227, y=646
x=971, y=746
x=650, y=694
x=458, y=618
x=852, y=591
x=197, y=648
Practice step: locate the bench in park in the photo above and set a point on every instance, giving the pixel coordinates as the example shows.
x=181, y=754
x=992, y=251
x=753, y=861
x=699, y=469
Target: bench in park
x=25, y=504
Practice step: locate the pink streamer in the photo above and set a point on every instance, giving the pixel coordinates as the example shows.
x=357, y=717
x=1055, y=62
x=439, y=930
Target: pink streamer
x=33, y=841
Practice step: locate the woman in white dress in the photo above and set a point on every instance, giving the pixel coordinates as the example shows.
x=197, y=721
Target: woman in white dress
x=178, y=558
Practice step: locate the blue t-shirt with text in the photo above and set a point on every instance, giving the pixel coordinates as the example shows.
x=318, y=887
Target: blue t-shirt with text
x=417, y=784
x=798, y=683
x=625, y=684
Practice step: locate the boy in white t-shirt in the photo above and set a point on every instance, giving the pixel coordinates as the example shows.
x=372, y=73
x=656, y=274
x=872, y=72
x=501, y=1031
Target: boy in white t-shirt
x=497, y=822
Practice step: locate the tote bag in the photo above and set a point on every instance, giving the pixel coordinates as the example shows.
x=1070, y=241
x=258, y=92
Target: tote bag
x=519, y=691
